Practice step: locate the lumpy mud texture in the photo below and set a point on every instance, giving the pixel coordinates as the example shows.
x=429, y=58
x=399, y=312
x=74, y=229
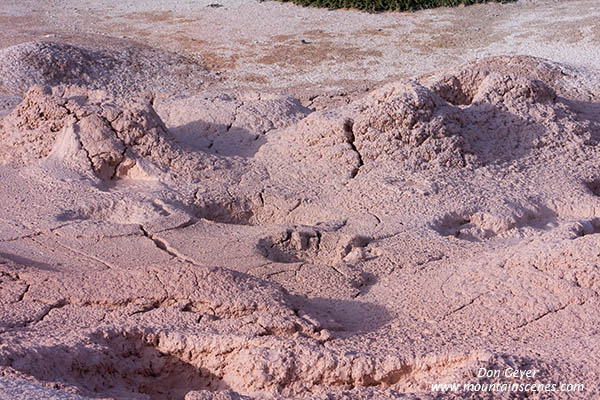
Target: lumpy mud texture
x=237, y=245
x=70, y=124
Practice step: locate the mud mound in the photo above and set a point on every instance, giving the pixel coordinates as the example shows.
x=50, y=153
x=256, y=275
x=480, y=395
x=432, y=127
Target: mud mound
x=459, y=86
x=472, y=118
x=132, y=70
x=507, y=113
x=93, y=131
x=405, y=122
x=109, y=138
x=402, y=122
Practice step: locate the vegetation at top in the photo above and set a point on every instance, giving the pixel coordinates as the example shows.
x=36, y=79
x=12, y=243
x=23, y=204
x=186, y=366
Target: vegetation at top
x=387, y=5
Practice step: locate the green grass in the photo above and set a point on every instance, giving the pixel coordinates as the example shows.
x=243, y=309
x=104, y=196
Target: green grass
x=387, y=5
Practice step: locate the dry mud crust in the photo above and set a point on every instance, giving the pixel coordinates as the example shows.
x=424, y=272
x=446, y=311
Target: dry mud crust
x=410, y=237
x=181, y=330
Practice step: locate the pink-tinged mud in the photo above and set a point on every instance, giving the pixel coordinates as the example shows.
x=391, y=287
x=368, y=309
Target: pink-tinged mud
x=234, y=243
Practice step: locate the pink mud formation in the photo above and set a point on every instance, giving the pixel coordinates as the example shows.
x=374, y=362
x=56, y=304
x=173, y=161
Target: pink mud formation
x=166, y=234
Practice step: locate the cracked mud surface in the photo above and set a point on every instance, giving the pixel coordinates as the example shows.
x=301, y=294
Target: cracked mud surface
x=198, y=241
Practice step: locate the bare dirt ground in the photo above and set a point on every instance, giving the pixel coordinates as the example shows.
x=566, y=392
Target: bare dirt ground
x=256, y=200
x=266, y=45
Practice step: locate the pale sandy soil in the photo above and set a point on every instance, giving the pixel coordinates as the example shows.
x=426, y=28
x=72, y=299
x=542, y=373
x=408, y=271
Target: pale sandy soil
x=251, y=201
x=259, y=44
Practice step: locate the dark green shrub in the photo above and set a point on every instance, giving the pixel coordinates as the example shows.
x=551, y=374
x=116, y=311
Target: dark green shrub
x=386, y=5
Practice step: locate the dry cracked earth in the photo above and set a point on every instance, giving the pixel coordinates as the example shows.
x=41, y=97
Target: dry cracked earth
x=165, y=237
